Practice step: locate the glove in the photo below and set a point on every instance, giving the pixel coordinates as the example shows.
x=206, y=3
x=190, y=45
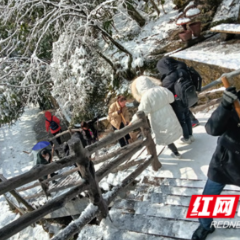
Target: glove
x=119, y=111
x=229, y=96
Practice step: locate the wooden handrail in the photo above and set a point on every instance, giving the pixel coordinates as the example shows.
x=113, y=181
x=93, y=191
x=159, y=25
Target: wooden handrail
x=112, y=137
x=236, y=102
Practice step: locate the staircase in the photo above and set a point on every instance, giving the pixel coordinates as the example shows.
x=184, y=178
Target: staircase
x=156, y=209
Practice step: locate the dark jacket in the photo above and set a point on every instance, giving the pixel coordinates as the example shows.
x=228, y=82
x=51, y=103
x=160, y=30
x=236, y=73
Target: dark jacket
x=41, y=159
x=170, y=71
x=225, y=164
x=91, y=125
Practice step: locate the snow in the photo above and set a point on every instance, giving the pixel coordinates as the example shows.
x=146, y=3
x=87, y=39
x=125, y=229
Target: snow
x=143, y=41
x=183, y=20
x=191, y=4
x=208, y=52
x=13, y=141
x=227, y=10
x=227, y=27
x=192, y=12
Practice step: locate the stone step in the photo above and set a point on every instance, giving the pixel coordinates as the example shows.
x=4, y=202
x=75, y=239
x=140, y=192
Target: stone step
x=163, y=227
x=194, y=183
x=157, y=194
x=152, y=225
x=185, y=191
x=158, y=210
x=107, y=231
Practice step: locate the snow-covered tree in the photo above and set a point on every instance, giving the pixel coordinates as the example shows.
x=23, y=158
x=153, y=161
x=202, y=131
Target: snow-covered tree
x=28, y=31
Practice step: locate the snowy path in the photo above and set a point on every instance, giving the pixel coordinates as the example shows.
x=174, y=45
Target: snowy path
x=13, y=141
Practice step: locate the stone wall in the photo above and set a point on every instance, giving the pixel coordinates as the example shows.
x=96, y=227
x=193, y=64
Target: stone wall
x=210, y=73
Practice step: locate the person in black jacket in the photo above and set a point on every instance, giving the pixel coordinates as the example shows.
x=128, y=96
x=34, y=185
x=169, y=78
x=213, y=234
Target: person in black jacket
x=170, y=71
x=89, y=132
x=224, y=167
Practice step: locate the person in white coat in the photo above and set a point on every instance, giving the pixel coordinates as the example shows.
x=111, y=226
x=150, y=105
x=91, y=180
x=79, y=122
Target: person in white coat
x=155, y=102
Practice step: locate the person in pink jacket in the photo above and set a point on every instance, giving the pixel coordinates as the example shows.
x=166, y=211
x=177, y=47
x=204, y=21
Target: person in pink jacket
x=52, y=123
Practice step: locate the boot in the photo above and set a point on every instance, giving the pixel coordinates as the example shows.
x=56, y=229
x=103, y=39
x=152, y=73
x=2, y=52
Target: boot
x=201, y=233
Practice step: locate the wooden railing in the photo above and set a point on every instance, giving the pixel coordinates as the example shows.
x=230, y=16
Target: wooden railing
x=81, y=156
x=211, y=102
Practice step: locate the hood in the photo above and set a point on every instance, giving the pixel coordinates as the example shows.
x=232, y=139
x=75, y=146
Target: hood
x=166, y=65
x=142, y=84
x=48, y=115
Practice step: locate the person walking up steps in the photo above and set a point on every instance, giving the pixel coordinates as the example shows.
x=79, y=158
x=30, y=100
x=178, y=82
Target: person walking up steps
x=224, y=167
x=155, y=102
x=53, y=123
x=118, y=116
x=175, y=76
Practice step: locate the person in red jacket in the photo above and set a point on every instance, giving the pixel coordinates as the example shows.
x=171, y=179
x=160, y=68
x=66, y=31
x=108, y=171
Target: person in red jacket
x=53, y=123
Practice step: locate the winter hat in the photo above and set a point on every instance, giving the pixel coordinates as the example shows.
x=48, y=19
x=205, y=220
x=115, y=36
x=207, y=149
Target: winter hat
x=143, y=83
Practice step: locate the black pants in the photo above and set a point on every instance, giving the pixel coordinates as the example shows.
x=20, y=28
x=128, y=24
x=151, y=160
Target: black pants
x=123, y=141
x=185, y=121
x=58, y=139
x=173, y=148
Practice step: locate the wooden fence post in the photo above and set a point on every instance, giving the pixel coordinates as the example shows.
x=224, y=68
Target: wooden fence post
x=151, y=147
x=87, y=171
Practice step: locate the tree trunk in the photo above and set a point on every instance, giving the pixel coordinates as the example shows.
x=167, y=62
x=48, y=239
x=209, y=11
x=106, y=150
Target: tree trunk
x=155, y=7
x=134, y=14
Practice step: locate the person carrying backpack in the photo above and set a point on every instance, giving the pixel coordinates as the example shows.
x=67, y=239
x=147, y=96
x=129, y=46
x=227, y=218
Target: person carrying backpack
x=180, y=80
x=53, y=123
x=155, y=103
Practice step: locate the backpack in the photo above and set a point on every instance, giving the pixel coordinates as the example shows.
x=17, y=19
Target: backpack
x=185, y=90
x=196, y=78
x=53, y=125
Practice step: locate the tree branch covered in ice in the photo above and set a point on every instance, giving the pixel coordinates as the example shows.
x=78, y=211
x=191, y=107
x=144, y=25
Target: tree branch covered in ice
x=40, y=42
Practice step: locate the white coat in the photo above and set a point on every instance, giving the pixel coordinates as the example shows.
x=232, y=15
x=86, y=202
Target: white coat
x=155, y=102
